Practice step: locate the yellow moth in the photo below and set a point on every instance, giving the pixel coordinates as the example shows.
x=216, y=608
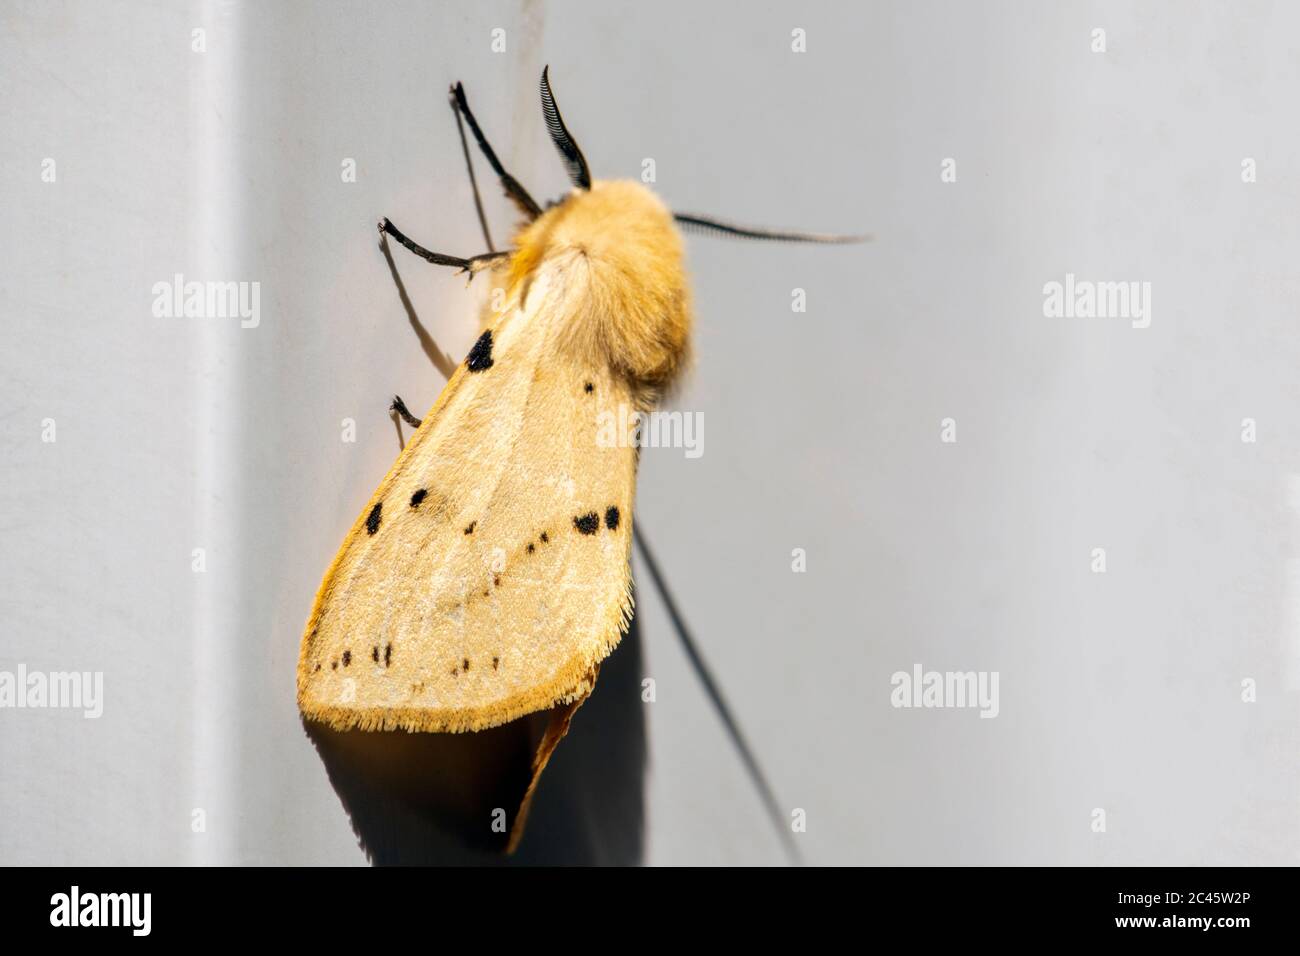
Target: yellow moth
x=488, y=576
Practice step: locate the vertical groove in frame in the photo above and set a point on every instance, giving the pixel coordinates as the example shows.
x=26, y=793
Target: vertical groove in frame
x=215, y=98
x=719, y=702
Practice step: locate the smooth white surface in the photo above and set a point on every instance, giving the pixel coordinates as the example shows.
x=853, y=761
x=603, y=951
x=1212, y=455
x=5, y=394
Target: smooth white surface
x=1119, y=691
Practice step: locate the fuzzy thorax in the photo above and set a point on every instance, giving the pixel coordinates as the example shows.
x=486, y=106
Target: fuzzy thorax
x=614, y=256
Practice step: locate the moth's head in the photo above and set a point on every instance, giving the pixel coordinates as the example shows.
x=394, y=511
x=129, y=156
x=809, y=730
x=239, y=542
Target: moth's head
x=619, y=246
x=617, y=259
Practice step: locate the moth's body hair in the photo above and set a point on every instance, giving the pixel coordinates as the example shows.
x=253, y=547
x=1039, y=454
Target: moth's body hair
x=620, y=288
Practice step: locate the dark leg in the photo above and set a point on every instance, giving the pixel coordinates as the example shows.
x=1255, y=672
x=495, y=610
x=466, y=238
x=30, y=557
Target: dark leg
x=777, y=815
x=399, y=406
x=516, y=192
x=473, y=182
x=472, y=265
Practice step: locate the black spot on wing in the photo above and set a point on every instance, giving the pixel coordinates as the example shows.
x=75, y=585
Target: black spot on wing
x=611, y=518
x=347, y=658
x=587, y=523
x=589, y=387
x=418, y=497
x=372, y=521
x=388, y=654
x=480, y=356
x=470, y=528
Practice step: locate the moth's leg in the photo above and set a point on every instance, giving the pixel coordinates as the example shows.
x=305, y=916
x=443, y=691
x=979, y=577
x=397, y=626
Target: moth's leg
x=399, y=406
x=469, y=168
x=711, y=688
x=518, y=195
x=473, y=265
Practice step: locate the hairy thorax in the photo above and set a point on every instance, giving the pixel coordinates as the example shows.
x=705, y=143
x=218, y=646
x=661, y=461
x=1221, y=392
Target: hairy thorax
x=613, y=258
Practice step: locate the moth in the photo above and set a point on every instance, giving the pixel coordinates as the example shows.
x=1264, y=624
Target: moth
x=489, y=574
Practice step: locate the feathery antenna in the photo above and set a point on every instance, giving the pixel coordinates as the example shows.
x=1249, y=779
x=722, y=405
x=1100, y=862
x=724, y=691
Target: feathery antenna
x=574, y=162
x=718, y=227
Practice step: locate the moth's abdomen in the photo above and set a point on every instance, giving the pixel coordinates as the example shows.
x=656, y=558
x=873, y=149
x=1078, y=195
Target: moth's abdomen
x=616, y=261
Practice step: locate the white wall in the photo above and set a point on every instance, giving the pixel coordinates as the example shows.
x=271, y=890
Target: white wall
x=1119, y=691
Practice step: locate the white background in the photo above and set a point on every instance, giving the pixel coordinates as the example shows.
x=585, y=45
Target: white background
x=1119, y=691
